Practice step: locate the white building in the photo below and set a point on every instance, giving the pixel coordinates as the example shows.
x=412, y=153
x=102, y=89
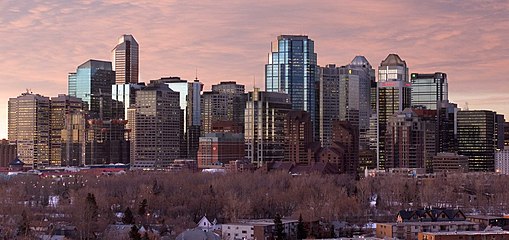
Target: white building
x=256, y=229
x=502, y=161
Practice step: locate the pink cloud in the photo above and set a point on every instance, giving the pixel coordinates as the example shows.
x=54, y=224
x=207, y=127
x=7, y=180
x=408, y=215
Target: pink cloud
x=44, y=40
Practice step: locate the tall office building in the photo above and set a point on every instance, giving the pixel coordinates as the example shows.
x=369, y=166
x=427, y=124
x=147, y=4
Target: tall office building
x=345, y=95
x=264, y=126
x=393, y=95
x=478, y=138
x=236, y=100
x=60, y=107
x=447, y=127
x=156, y=127
x=29, y=128
x=214, y=108
x=92, y=83
x=190, y=105
x=126, y=60
x=429, y=90
x=292, y=69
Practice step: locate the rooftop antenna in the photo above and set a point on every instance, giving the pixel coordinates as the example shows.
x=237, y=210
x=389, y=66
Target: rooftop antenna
x=466, y=106
x=196, y=76
x=254, y=81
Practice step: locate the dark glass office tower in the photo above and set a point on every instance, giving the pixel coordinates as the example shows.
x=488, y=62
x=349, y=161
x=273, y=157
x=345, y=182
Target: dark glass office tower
x=125, y=60
x=478, y=138
x=292, y=69
x=429, y=90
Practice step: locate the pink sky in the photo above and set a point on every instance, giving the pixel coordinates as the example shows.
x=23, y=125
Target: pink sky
x=41, y=41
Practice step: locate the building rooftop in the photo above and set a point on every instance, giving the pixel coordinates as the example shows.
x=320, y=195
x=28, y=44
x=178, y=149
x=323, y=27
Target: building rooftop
x=429, y=223
x=468, y=233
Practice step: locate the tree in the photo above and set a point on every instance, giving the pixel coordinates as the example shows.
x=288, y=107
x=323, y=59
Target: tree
x=279, y=229
x=134, y=234
x=128, y=216
x=301, y=229
x=145, y=236
x=24, y=226
x=142, y=210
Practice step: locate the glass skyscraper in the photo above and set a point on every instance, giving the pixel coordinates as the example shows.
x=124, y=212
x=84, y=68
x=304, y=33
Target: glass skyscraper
x=292, y=69
x=92, y=83
x=125, y=60
x=429, y=90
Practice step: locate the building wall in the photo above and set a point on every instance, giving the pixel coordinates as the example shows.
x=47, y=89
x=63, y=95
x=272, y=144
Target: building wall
x=502, y=161
x=7, y=152
x=450, y=162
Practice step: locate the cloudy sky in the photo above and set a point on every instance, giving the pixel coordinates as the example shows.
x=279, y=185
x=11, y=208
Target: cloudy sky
x=41, y=41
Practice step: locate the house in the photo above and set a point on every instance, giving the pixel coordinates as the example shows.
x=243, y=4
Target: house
x=430, y=215
x=197, y=234
x=207, y=226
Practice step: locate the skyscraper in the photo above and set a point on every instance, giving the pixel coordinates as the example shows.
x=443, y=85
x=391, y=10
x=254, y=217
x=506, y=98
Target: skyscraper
x=264, y=126
x=124, y=96
x=292, y=69
x=345, y=95
x=429, y=90
x=236, y=100
x=60, y=107
x=478, y=138
x=190, y=105
x=393, y=95
x=29, y=128
x=92, y=83
x=214, y=108
x=126, y=60
x=156, y=127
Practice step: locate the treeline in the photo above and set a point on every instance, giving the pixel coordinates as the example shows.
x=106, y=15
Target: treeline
x=179, y=200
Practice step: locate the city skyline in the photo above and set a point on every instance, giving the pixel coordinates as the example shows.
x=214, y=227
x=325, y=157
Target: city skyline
x=229, y=40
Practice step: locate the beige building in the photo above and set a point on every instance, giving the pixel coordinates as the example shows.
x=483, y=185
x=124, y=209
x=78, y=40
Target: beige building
x=29, y=128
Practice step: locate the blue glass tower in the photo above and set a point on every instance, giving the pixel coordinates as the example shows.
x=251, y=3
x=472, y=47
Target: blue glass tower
x=292, y=69
x=92, y=83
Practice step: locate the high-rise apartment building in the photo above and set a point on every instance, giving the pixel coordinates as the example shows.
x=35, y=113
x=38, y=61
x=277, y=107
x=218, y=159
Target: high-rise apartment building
x=60, y=107
x=92, y=83
x=345, y=95
x=393, y=95
x=190, y=104
x=29, y=128
x=298, y=137
x=410, y=139
x=478, y=138
x=429, y=90
x=264, y=126
x=156, y=127
x=502, y=161
x=446, y=127
x=126, y=60
x=292, y=69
